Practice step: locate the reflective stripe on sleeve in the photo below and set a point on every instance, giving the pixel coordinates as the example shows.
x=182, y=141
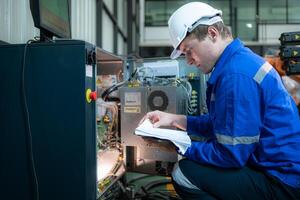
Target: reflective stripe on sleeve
x=262, y=72
x=225, y=139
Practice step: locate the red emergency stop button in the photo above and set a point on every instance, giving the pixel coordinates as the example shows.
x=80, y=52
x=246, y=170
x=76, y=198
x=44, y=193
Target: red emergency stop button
x=93, y=96
x=90, y=96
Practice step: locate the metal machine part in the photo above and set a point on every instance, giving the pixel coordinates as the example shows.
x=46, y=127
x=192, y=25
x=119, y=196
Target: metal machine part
x=110, y=167
x=162, y=68
x=135, y=103
x=292, y=66
x=290, y=52
x=290, y=38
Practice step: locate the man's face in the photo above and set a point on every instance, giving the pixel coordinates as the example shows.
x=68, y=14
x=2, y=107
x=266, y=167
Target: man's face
x=202, y=54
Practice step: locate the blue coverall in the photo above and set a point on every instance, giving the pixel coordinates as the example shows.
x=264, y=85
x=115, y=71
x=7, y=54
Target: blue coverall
x=252, y=121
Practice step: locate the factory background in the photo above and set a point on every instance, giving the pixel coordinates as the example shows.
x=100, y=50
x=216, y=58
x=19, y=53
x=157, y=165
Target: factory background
x=139, y=27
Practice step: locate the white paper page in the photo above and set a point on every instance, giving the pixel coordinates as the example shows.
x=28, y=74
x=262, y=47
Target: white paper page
x=179, y=138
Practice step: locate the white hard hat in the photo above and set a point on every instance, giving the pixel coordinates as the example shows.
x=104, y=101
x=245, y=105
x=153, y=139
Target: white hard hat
x=188, y=17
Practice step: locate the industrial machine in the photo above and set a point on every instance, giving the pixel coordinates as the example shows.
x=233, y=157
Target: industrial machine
x=135, y=103
x=60, y=139
x=52, y=144
x=163, y=85
x=55, y=142
x=69, y=110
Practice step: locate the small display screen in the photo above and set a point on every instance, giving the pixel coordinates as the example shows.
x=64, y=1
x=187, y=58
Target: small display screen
x=55, y=17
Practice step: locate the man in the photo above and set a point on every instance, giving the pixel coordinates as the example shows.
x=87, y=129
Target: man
x=250, y=144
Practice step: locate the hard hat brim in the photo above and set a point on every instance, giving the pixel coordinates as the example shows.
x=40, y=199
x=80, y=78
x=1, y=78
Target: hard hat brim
x=175, y=54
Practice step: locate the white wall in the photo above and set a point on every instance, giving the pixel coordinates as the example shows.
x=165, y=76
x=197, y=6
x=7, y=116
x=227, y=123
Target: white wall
x=122, y=22
x=84, y=20
x=156, y=36
x=107, y=33
x=121, y=45
x=107, y=27
x=269, y=33
x=16, y=23
x=109, y=4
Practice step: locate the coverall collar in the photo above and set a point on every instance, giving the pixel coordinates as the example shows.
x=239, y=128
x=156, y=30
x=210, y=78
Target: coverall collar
x=227, y=53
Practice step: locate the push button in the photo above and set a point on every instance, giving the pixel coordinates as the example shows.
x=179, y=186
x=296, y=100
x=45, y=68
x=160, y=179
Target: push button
x=93, y=96
x=90, y=96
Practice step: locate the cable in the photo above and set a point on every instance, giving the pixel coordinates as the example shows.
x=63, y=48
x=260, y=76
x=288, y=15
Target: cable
x=133, y=74
x=27, y=118
x=144, y=190
x=143, y=71
x=109, y=90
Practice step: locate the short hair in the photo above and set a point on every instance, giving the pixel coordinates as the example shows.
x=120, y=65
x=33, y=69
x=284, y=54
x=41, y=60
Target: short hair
x=200, y=32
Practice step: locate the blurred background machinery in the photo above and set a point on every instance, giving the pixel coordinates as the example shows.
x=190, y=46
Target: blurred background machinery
x=290, y=57
x=290, y=52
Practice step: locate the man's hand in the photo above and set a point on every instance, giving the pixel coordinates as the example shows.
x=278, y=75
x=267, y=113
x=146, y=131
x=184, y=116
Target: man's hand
x=159, y=118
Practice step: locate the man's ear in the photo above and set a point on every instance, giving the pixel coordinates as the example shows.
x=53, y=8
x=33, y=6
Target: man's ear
x=212, y=33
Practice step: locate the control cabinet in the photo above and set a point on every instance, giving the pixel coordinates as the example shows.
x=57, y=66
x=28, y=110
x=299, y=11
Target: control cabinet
x=47, y=121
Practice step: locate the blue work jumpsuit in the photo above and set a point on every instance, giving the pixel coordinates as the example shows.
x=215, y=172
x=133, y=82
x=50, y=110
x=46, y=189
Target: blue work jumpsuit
x=253, y=125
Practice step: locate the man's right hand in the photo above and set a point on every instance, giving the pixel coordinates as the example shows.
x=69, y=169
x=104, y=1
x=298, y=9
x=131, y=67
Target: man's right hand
x=159, y=118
